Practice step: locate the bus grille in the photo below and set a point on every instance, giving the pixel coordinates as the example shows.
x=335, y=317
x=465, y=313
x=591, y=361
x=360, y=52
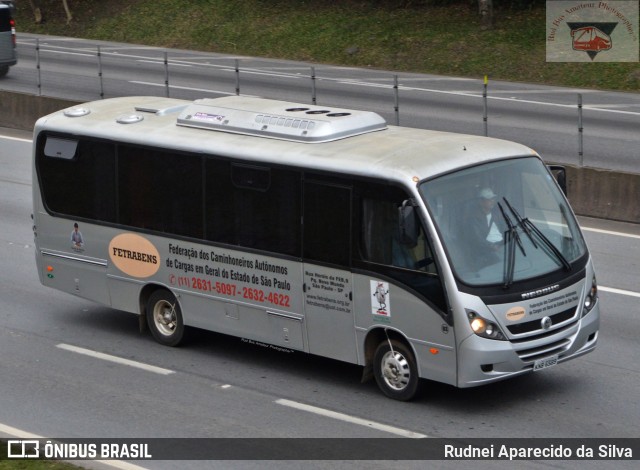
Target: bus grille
x=532, y=354
x=529, y=326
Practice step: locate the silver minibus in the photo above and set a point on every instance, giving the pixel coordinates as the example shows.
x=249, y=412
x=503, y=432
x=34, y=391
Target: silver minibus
x=418, y=255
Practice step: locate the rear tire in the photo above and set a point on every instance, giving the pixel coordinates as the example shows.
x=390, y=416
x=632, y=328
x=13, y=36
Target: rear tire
x=4, y=69
x=396, y=370
x=164, y=318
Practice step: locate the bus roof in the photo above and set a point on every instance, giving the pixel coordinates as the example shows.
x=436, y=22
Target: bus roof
x=260, y=130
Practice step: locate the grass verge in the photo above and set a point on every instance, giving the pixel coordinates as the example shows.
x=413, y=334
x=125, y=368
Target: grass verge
x=438, y=40
x=30, y=464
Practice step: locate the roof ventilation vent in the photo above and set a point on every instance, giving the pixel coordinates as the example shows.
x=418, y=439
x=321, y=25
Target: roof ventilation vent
x=76, y=112
x=278, y=120
x=129, y=118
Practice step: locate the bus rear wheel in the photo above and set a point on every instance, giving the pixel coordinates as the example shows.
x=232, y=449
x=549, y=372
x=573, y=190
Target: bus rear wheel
x=164, y=318
x=395, y=370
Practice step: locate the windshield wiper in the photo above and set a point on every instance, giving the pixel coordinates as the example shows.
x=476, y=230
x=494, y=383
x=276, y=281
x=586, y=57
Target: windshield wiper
x=511, y=238
x=530, y=229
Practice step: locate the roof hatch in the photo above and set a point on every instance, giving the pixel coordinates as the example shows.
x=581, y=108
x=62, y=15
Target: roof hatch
x=279, y=119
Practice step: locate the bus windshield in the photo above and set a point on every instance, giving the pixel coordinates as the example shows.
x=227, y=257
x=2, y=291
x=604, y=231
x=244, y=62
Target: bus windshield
x=503, y=222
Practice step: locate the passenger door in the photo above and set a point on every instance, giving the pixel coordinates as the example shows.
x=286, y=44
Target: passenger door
x=327, y=277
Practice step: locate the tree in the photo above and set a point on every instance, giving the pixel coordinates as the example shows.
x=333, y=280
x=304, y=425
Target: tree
x=38, y=12
x=486, y=13
x=67, y=11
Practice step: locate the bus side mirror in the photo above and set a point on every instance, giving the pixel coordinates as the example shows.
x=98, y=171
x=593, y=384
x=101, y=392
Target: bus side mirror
x=560, y=175
x=408, y=224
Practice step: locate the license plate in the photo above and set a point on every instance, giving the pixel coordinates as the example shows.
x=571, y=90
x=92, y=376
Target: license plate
x=546, y=362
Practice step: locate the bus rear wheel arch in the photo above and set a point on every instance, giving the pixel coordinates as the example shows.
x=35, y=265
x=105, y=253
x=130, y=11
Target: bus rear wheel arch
x=164, y=317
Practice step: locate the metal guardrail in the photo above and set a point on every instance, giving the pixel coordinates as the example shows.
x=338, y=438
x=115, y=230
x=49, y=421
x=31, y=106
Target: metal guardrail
x=98, y=56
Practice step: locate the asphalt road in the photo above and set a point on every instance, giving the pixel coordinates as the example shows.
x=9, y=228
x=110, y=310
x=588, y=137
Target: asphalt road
x=58, y=377
x=542, y=117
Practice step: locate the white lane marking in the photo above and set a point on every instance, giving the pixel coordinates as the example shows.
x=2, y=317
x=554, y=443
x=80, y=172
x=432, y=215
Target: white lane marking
x=19, y=139
x=161, y=62
x=619, y=291
x=20, y=434
x=117, y=360
x=350, y=419
x=296, y=76
x=529, y=92
x=183, y=88
x=15, y=432
x=610, y=232
x=180, y=88
x=82, y=54
x=476, y=94
x=618, y=234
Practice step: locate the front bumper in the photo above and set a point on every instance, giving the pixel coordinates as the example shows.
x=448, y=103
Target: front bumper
x=482, y=361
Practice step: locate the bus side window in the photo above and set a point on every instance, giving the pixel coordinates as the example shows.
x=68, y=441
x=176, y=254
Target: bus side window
x=327, y=223
x=160, y=190
x=78, y=177
x=253, y=206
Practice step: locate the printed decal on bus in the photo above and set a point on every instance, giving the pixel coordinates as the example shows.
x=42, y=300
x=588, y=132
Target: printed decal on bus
x=134, y=255
x=380, y=299
x=208, y=117
x=516, y=313
x=225, y=273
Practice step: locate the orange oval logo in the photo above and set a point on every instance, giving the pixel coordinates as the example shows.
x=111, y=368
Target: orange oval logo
x=516, y=313
x=134, y=255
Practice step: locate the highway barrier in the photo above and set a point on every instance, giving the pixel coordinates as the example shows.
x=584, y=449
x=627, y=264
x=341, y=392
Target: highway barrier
x=593, y=192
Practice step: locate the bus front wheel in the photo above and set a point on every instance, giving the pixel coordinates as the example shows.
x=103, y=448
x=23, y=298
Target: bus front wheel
x=165, y=318
x=395, y=370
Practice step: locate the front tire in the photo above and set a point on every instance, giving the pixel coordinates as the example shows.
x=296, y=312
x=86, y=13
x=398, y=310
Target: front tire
x=164, y=318
x=395, y=370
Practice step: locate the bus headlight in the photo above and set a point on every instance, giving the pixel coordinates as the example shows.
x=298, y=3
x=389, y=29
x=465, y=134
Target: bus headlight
x=483, y=327
x=591, y=298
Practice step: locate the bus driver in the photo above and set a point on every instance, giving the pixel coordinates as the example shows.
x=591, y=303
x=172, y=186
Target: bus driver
x=485, y=229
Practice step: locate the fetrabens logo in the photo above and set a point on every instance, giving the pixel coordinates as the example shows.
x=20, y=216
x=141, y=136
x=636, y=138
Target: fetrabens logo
x=516, y=313
x=134, y=255
x=579, y=31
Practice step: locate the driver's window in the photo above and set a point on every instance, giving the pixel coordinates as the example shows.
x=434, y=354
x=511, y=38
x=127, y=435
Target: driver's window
x=380, y=249
x=381, y=241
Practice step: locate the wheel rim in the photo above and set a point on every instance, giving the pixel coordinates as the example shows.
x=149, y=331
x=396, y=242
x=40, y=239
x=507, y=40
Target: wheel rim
x=395, y=370
x=165, y=318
